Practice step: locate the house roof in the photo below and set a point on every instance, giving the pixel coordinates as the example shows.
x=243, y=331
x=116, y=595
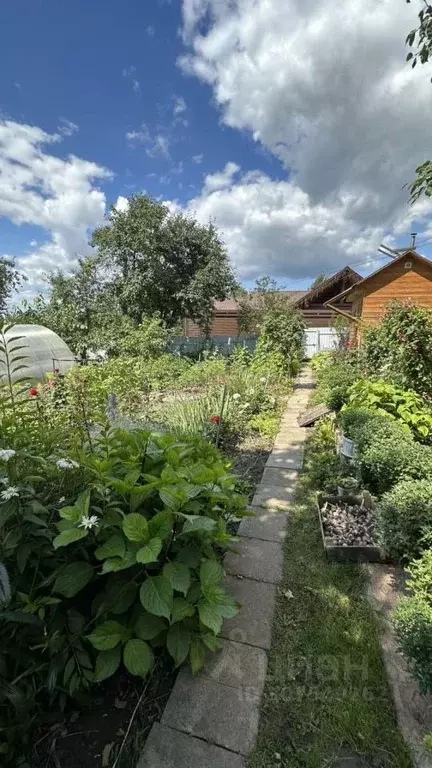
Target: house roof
x=313, y=294
x=232, y=305
x=344, y=294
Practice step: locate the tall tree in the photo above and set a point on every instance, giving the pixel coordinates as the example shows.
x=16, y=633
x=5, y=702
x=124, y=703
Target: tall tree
x=420, y=41
x=10, y=280
x=267, y=297
x=163, y=262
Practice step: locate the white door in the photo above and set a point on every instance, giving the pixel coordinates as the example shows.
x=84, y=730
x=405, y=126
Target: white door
x=319, y=339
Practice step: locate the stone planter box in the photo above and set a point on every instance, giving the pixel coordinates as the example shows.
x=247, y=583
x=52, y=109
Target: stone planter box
x=347, y=554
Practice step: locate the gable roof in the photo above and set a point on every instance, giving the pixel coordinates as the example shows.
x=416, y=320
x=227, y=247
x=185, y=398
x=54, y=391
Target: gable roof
x=313, y=294
x=408, y=252
x=232, y=305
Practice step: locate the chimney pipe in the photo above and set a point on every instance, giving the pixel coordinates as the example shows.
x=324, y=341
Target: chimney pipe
x=413, y=239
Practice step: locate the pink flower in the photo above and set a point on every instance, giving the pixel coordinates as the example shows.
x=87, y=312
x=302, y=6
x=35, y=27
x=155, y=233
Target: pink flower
x=33, y=392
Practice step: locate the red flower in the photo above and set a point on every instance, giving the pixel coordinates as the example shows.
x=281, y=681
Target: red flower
x=33, y=392
x=216, y=419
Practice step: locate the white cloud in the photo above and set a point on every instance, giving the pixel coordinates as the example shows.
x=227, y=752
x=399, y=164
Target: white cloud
x=326, y=90
x=150, y=30
x=221, y=179
x=122, y=204
x=156, y=146
x=67, y=127
x=179, y=105
x=56, y=194
x=197, y=159
x=130, y=74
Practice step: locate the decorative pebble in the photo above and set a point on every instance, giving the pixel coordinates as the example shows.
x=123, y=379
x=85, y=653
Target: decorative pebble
x=348, y=525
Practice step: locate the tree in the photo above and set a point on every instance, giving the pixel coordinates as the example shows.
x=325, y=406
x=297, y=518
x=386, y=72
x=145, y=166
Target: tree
x=321, y=278
x=163, y=263
x=80, y=307
x=420, y=39
x=10, y=280
x=266, y=297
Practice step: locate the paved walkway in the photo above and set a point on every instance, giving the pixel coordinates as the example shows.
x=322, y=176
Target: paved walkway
x=211, y=721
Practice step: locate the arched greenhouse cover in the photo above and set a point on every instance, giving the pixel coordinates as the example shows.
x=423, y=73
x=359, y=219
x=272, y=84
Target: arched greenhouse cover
x=43, y=352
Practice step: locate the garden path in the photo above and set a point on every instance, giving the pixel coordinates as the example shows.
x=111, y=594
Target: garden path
x=211, y=721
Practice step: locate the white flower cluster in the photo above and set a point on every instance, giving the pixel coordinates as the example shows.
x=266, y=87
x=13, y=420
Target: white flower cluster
x=67, y=464
x=9, y=493
x=88, y=522
x=6, y=454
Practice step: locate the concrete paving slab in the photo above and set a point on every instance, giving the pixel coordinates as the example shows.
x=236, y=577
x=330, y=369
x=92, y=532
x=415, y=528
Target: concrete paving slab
x=267, y=524
x=217, y=713
x=273, y=497
x=166, y=748
x=279, y=477
x=236, y=665
x=290, y=458
x=256, y=559
x=253, y=623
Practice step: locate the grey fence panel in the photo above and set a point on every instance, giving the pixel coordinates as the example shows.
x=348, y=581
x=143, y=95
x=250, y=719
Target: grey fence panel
x=193, y=345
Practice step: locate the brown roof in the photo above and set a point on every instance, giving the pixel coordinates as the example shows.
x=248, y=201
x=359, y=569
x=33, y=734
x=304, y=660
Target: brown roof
x=365, y=280
x=232, y=305
x=313, y=294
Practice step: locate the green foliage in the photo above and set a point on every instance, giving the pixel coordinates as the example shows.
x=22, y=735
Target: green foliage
x=412, y=621
x=10, y=280
x=163, y=263
x=355, y=420
x=387, y=399
x=335, y=375
x=323, y=465
x=282, y=333
x=404, y=517
x=101, y=577
x=266, y=298
x=398, y=348
x=387, y=453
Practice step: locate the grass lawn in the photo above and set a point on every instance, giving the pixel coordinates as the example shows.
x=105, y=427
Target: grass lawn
x=326, y=701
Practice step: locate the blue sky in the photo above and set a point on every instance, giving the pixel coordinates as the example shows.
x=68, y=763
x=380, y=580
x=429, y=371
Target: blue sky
x=230, y=110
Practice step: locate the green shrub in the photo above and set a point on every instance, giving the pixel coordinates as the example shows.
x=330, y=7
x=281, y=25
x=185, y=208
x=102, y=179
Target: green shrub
x=387, y=457
x=334, y=382
x=398, y=348
x=404, y=517
x=354, y=420
x=110, y=552
x=387, y=399
x=320, y=362
x=412, y=621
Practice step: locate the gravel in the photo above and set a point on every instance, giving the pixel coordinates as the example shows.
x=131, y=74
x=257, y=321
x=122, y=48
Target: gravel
x=348, y=525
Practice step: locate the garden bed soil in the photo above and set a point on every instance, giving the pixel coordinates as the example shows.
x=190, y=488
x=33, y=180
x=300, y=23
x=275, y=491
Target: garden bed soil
x=92, y=737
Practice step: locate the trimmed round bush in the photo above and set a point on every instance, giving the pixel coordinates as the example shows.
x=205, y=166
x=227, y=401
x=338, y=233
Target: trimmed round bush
x=354, y=420
x=404, y=516
x=412, y=621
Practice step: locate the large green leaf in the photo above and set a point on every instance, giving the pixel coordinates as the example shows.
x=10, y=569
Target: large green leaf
x=120, y=597
x=178, y=576
x=150, y=552
x=73, y=578
x=211, y=573
x=107, y=635
x=161, y=524
x=197, y=655
x=69, y=536
x=190, y=556
x=113, y=564
x=178, y=643
x=113, y=547
x=210, y=615
x=198, y=524
x=107, y=662
x=148, y=626
x=135, y=528
x=181, y=609
x=156, y=595
x=137, y=657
